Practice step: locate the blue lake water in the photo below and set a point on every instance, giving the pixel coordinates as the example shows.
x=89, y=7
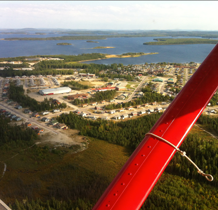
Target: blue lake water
x=166, y=53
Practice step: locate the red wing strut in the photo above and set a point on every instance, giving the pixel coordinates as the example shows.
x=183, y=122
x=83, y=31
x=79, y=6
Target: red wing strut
x=138, y=176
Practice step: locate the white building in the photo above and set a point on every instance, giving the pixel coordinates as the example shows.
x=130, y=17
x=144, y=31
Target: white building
x=52, y=91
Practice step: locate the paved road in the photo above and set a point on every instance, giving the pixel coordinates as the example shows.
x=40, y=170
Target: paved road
x=186, y=76
x=137, y=89
x=32, y=120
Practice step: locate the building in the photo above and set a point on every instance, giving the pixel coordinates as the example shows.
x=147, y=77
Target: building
x=35, y=114
x=53, y=91
x=86, y=75
x=61, y=126
x=120, y=88
x=124, y=116
x=104, y=89
x=157, y=80
x=73, y=97
x=18, y=107
x=111, y=112
x=45, y=119
x=170, y=81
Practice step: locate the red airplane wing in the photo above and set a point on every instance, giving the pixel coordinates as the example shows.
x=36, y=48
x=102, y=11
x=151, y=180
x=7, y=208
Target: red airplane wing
x=138, y=176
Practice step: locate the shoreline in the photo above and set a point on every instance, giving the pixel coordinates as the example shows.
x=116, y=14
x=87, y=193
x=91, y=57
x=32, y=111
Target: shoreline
x=118, y=56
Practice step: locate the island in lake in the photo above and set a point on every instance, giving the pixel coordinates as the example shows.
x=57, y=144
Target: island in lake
x=92, y=41
x=64, y=43
x=170, y=41
x=102, y=47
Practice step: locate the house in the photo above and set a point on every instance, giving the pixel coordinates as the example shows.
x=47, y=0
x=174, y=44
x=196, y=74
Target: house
x=56, y=110
x=120, y=88
x=61, y=126
x=40, y=130
x=91, y=117
x=115, y=117
x=28, y=124
x=2, y=110
x=45, y=119
x=34, y=127
x=27, y=111
x=53, y=122
x=76, y=96
x=17, y=118
x=83, y=114
x=158, y=109
x=134, y=113
x=35, y=114
x=13, y=116
x=121, y=110
x=150, y=110
x=18, y=107
x=111, y=112
x=55, y=101
x=124, y=116
x=77, y=111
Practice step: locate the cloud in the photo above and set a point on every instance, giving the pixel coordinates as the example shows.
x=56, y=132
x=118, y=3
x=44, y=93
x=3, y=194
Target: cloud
x=110, y=14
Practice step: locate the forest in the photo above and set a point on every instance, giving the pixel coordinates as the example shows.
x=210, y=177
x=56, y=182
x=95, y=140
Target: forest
x=214, y=100
x=17, y=94
x=128, y=133
x=74, y=85
x=180, y=187
x=14, y=134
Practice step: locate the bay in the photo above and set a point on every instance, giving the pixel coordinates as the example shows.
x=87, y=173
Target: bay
x=166, y=53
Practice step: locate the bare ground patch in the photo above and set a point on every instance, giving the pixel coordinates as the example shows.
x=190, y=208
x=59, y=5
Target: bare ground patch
x=66, y=137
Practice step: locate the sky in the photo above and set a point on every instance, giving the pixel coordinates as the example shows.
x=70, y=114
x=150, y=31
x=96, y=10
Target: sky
x=112, y=15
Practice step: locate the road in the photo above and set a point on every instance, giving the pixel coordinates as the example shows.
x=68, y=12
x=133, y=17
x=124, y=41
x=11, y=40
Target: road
x=137, y=89
x=23, y=116
x=186, y=76
x=206, y=131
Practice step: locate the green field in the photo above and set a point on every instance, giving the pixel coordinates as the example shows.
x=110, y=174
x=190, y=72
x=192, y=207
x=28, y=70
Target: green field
x=43, y=171
x=169, y=41
x=84, y=176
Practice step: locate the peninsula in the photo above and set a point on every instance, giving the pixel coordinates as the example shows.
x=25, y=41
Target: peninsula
x=124, y=55
x=90, y=41
x=170, y=41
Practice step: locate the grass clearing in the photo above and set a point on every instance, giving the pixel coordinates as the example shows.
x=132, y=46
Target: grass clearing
x=39, y=172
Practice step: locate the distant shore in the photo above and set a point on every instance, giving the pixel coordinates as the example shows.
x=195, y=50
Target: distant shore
x=170, y=41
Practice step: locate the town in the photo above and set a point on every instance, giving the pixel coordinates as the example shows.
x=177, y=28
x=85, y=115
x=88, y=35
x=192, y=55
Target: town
x=166, y=80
